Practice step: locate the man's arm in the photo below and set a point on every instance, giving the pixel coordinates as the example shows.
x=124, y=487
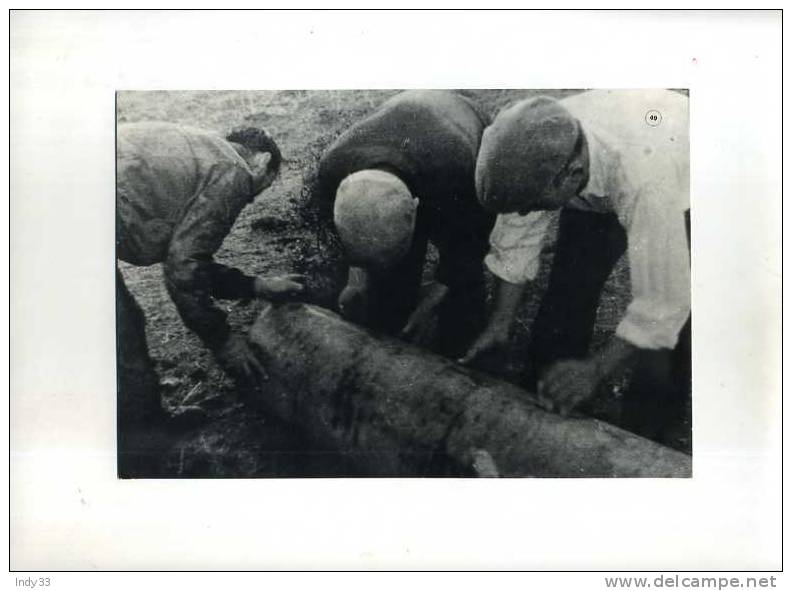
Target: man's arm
x=515, y=245
x=461, y=236
x=660, y=277
x=193, y=279
x=569, y=382
x=227, y=283
x=192, y=276
x=417, y=325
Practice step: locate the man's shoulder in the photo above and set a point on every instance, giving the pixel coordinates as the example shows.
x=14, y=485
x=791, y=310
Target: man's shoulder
x=164, y=132
x=174, y=142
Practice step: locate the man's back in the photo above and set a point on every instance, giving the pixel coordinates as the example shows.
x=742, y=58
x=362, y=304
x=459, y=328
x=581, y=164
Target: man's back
x=626, y=113
x=162, y=168
x=428, y=138
x=164, y=164
x=647, y=147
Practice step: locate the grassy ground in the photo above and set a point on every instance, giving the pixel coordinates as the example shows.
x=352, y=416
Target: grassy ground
x=278, y=234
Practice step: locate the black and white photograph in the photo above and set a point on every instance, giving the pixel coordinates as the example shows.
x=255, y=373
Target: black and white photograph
x=451, y=292
x=432, y=283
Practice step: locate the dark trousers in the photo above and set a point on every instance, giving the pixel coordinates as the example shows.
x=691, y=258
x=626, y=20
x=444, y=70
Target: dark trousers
x=462, y=314
x=588, y=247
x=139, y=404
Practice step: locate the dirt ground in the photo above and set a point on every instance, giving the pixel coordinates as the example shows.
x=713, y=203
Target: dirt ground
x=278, y=233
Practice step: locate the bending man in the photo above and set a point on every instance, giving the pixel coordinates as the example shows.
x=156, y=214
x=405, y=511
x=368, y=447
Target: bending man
x=401, y=177
x=178, y=192
x=622, y=183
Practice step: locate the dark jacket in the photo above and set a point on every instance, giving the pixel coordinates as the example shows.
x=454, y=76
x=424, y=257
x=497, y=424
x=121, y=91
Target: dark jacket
x=178, y=192
x=430, y=140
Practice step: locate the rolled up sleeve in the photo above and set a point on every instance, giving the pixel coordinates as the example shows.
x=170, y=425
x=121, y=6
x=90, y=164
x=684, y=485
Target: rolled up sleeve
x=515, y=245
x=659, y=271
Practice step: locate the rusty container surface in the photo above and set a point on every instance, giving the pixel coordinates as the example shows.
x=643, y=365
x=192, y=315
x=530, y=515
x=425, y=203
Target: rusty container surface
x=393, y=409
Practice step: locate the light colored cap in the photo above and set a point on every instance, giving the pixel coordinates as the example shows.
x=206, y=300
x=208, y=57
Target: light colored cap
x=523, y=150
x=374, y=214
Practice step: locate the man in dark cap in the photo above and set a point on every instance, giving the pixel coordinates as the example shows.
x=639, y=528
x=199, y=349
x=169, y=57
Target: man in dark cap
x=623, y=183
x=399, y=178
x=178, y=192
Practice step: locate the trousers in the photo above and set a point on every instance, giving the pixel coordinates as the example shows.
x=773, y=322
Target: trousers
x=462, y=314
x=588, y=247
x=139, y=403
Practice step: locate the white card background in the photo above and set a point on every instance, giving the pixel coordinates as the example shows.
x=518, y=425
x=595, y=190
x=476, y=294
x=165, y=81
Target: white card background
x=67, y=509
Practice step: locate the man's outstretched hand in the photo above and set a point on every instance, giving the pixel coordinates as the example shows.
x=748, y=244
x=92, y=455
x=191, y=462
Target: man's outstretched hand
x=353, y=304
x=238, y=360
x=417, y=328
x=496, y=335
x=568, y=383
x=492, y=339
x=278, y=288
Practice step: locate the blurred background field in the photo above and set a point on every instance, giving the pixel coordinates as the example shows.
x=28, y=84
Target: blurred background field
x=280, y=232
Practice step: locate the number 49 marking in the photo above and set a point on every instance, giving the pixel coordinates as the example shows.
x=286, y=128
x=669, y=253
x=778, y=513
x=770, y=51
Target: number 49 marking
x=653, y=118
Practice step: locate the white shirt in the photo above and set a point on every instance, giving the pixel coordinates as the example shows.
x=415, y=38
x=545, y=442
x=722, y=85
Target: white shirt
x=642, y=174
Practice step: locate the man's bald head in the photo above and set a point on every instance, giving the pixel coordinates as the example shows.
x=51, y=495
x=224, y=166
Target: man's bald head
x=375, y=215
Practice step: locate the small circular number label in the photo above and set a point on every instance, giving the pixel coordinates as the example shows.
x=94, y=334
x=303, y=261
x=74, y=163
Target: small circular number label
x=653, y=118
